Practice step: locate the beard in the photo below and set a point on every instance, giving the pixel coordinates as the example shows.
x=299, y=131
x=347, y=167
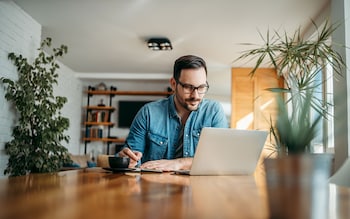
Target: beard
x=192, y=104
x=189, y=104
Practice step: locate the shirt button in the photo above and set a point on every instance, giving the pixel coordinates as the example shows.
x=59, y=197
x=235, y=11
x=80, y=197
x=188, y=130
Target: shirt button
x=186, y=153
x=161, y=142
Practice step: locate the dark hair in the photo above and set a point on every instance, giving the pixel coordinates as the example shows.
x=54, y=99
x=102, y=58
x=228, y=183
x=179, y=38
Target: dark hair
x=188, y=62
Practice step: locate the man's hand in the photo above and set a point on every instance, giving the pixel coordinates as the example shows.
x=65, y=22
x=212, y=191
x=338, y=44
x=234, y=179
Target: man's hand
x=168, y=165
x=134, y=156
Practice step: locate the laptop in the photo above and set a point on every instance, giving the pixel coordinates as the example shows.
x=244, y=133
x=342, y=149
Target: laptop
x=226, y=151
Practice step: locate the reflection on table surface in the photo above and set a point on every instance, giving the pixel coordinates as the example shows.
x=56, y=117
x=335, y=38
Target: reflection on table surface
x=95, y=193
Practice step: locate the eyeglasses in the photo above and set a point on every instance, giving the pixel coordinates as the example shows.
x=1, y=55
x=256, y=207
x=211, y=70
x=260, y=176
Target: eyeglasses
x=189, y=88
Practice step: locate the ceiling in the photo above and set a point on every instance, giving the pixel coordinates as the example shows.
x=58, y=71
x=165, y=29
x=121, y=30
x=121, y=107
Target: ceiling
x=109, y=36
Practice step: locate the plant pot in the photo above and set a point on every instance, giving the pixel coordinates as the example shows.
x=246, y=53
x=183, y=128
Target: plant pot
x=297, y=186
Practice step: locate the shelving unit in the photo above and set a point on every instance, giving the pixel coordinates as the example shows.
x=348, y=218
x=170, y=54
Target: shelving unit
x=94, y=122
x=131, y=93
x=98, y=118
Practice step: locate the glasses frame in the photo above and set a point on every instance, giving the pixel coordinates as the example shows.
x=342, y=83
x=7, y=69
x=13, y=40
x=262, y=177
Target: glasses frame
x=193, y=88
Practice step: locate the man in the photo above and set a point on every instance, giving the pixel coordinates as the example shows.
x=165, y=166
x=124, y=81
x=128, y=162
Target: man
x=165, y=133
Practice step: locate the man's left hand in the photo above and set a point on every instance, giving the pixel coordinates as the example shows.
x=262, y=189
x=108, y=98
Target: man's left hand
x=168, y=165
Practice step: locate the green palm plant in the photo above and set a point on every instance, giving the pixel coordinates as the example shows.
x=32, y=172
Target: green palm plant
x=294, y=131
x=299, y=62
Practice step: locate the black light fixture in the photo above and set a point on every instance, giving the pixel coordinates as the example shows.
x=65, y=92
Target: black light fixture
x=159, y=44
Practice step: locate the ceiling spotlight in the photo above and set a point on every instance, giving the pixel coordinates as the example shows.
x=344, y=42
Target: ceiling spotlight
x=159, y=44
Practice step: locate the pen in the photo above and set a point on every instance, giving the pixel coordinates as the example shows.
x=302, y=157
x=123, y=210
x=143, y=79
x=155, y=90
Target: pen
x=138, y=161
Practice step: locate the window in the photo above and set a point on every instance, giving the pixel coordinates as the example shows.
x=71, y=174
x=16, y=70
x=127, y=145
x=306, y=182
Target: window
x=324, y=142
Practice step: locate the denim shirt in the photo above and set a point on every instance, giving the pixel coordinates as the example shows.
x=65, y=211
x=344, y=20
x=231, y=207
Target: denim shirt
x=156, y=127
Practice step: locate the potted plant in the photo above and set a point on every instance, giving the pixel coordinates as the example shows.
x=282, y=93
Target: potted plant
x=36, y=145
x=299, y=62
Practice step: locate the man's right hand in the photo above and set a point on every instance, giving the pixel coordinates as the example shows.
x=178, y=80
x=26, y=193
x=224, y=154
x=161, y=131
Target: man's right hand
x=134, y=156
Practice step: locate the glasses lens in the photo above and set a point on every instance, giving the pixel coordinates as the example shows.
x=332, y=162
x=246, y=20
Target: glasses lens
x=188, y=88
x=202, y=89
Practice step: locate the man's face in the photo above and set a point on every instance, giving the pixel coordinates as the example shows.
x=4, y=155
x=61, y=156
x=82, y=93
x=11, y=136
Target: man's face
x=185, y=98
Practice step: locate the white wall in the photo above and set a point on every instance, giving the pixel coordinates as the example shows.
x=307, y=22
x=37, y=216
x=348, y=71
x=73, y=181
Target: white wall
x=220, y=87
x=71, y=87
x=341, y=14
x=20, y=33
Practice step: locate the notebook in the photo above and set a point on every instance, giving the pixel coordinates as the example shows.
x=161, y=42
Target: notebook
x=225, y=151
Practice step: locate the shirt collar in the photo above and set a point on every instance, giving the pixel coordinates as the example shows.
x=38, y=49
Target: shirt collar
x=172, y=109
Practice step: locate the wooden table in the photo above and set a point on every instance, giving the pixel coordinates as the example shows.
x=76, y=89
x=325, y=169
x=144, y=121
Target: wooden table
x=95, y=193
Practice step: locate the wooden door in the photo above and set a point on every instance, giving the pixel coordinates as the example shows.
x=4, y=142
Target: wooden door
x=252, y=105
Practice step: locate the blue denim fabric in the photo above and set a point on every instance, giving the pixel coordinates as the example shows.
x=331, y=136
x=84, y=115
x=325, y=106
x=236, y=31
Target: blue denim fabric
x=156, y=127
